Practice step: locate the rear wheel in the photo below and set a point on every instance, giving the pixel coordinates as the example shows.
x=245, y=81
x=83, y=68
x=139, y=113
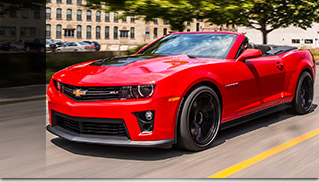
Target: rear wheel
x=200, y=119
x=302, y=102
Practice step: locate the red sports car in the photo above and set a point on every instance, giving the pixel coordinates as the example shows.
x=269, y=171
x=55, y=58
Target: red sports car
x=181, y=89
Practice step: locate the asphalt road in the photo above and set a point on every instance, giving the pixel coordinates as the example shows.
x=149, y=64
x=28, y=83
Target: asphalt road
x=62, y=159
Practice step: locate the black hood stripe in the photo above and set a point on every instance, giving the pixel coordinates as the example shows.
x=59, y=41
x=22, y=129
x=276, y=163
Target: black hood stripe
x=122, y=61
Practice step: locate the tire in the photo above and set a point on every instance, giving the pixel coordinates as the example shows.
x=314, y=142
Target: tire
x=199, y=120
x=302, y=102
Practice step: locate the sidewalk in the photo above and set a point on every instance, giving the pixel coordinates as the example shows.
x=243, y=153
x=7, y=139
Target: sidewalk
x=22, y=94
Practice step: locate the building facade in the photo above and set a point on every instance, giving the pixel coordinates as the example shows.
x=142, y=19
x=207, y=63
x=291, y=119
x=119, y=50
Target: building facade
x=21, y=24
x=291, y=36
x=71, y=20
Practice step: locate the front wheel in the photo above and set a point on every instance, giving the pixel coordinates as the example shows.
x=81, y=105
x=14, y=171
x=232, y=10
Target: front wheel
x=302, y=102
x=199, y=120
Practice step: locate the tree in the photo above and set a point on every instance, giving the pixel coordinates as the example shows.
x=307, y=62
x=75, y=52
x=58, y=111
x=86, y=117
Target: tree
x=269, y=15
x=176, y=12
x=262, y=15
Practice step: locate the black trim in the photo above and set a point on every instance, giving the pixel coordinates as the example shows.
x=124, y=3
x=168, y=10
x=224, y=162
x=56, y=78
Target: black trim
x=56, y=114
x=254, y=115
x=109, y=140
x=242, y=43
x=142, y=122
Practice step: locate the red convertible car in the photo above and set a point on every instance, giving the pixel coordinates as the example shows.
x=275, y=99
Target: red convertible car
x=181, y=89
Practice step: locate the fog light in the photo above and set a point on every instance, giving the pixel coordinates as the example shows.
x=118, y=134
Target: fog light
x=148, y=115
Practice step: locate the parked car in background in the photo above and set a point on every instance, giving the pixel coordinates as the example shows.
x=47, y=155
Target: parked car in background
x=75, y=46
x=50, y=45
x=38, y=45
x=60, y=44
x=53, y=44
x=17, y=46
x=94, y=44
x=4, y=46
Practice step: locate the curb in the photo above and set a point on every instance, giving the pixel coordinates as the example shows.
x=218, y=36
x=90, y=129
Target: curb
x=27, y=99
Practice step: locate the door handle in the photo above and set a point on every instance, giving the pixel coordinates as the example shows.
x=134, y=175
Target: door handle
x=280, y=65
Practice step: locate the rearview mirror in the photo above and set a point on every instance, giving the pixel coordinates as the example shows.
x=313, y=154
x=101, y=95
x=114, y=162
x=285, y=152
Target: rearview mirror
x=249, y=53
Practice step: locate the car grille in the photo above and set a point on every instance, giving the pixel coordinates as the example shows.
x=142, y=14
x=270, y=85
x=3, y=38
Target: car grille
x=92, y=93
x=91, y=126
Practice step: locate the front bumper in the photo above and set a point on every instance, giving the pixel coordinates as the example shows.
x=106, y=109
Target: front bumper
x=116, y=141
x=164, y=121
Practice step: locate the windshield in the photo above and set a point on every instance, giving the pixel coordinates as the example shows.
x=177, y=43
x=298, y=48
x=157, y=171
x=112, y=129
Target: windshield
x=205, y=45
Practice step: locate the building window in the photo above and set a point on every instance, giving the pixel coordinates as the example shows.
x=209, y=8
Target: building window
x=59, y=13
x=47, y=13
x=68, y=32
x=308, y=41
x=147, y=32
x=107, y=17
x=132, y=32
x=98, y=32
x=30, y=31
x=13, y=12
x=116, y=17
x=107, y=32
x=68, y=1
x=37, y=14
x=79, y=2
x=88, y=32
x=7, y=31
x=188, y=30
x=188, y=23
x=123, y=33
x=116, y=29
x=48, y=31
x=79, y=31
x=165, y=31
x=124, y=18
x=25, y=13
x=155, y=32
x=2, y=31
x=197, y=26
x=48, y=1
x=79, y=15
x=89, y=15
x=132, y=19
x=1, y=10
x=69, y=14
x=98, y=16
x=58, y=31
x=155, y=21
x=295, y=41
x=58, y=1
x=165, y=22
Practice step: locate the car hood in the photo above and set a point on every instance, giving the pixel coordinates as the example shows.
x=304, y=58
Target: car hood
x=135, y=69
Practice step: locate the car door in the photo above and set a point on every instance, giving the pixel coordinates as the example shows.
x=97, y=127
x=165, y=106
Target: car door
x=73, y=46
x=261, y=83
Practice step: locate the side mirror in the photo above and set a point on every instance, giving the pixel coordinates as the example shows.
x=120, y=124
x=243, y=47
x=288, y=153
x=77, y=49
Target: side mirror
x=249, y=53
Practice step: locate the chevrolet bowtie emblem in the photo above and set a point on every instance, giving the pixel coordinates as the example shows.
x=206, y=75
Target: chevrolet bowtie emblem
x=79, y=92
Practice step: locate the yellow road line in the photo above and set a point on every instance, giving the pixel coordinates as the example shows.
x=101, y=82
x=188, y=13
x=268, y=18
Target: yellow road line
x=242, y=165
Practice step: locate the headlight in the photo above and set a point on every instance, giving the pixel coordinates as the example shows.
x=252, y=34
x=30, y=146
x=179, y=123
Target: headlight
x=58, y=85
x=135, y=92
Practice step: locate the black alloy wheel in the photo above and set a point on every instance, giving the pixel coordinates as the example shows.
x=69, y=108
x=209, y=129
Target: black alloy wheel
x=200, y=119
x=302, y=103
